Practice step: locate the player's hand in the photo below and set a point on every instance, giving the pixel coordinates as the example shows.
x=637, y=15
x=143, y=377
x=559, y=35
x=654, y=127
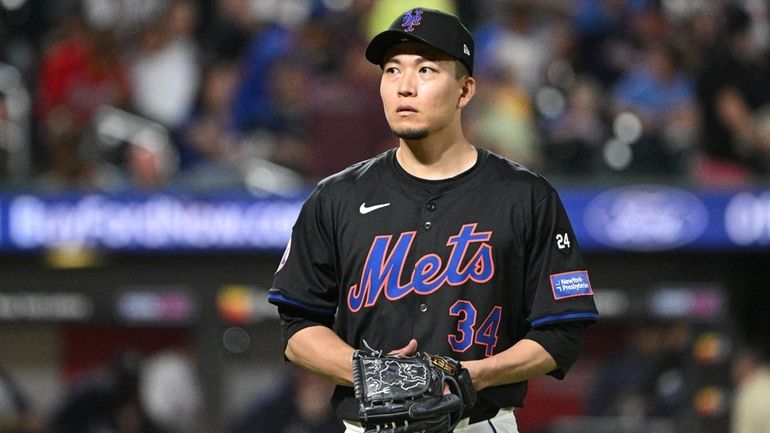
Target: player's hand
x=408, y=350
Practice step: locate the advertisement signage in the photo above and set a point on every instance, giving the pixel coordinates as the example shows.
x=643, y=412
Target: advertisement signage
x=638, y=218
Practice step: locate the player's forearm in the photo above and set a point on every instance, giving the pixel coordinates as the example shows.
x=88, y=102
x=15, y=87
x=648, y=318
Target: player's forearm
x=320, y=350
x=525, y=360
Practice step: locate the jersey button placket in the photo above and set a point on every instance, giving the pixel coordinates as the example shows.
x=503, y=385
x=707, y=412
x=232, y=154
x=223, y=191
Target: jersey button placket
x=427, y=243
x=430, y=206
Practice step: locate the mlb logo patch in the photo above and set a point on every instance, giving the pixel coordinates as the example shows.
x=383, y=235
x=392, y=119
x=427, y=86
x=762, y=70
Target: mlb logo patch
x=569, y=284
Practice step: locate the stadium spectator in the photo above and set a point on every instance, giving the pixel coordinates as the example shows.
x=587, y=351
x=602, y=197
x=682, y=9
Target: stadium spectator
x=601, y=35
x=659, y=92
x=152, y=161
x=301, y=404
x=735, y=99
x=344, y=122
x=645, y=376
x=14, y=142
x=505, y=120
x=226, y=36
x=518, y=44
x=171, y=390
x=253, y=104
x=208, y=141
x=16, y=413
x=81, y=71
x=575, y=138
x=106, y=401
x=751, y=407
x=165, y=71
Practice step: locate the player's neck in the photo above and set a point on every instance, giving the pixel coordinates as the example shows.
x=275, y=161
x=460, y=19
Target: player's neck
x=428, y=159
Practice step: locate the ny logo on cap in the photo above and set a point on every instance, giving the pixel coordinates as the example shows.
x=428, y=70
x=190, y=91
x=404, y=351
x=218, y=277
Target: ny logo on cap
x=412, y=19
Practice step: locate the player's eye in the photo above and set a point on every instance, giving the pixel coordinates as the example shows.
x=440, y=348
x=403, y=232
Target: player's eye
x=427, y=69
x=390, y=70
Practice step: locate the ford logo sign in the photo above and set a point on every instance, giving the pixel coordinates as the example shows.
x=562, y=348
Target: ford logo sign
x=645, y=218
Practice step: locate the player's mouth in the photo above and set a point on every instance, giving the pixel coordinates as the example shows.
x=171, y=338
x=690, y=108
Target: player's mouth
x=405, y=110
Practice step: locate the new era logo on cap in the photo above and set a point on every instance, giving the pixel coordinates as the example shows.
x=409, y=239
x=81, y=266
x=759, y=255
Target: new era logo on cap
x=466, y=50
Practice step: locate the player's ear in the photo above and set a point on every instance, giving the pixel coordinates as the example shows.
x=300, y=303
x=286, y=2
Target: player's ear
x=467, y=90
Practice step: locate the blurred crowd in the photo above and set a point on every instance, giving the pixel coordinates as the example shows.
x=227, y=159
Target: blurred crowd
x=272, y=95
x=671, y=372
x=163, y=392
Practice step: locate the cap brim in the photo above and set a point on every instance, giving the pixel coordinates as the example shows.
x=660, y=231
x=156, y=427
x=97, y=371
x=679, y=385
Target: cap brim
x=381, y=43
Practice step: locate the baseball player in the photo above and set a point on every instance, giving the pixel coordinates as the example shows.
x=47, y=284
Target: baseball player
x=435, y=245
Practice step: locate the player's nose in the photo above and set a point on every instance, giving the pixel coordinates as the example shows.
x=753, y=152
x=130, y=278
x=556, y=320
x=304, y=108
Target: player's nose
x=407, y=85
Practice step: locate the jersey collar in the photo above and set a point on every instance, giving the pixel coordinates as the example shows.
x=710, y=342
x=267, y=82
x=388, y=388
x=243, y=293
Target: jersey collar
x=419, y=188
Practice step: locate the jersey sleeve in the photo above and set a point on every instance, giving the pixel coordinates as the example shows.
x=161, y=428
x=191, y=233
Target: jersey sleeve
x=306, y=276
x=558, y=285
x=562, y=341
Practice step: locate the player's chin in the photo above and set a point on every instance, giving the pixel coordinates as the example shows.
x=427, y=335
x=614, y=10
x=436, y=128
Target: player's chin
x=411, y=133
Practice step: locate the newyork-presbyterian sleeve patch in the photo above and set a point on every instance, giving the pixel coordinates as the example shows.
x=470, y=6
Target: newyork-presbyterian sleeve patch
x=569, y=284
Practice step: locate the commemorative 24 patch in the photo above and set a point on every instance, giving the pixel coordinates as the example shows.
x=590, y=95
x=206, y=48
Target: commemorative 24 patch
x=569, y=284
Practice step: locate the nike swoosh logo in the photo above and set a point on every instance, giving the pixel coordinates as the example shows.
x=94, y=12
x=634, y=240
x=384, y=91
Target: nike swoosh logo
x=364, y=209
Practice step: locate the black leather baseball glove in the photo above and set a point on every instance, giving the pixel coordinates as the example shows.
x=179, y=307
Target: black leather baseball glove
x=399, y=394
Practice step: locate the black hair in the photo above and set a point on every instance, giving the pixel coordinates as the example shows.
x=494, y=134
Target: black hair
x=461, y=70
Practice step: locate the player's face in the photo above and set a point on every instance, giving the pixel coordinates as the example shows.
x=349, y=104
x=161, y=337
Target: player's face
x=420, y=91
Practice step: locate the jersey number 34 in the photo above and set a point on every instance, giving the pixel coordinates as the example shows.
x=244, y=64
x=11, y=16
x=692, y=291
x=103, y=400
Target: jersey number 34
x=467, y=333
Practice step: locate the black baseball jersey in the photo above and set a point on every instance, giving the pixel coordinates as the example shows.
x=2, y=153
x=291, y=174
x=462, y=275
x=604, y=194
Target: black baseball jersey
x=466, y=266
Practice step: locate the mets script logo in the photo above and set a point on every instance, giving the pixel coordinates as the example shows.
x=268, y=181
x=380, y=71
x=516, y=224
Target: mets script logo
x=412, y=19
x=384, y=267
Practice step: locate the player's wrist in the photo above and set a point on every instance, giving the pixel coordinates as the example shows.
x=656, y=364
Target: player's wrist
x=475, y=370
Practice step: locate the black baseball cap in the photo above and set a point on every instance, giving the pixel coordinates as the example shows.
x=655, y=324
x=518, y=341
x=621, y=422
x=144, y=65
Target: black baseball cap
x=438, y=29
